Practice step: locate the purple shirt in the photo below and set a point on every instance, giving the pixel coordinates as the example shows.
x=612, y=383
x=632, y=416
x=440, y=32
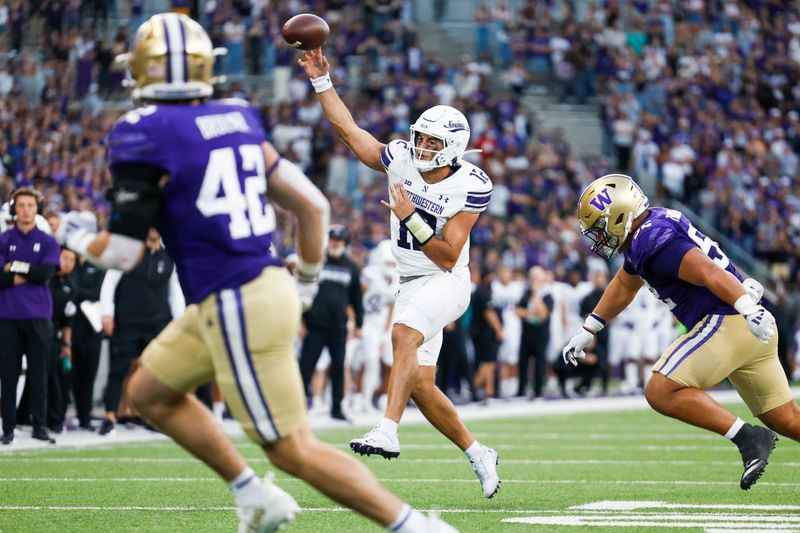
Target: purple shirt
x=214, y=219
x=655, y=255
x=29, y=300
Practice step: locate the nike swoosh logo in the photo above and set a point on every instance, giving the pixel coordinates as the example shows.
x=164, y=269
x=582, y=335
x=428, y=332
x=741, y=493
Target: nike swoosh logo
x=753, y=465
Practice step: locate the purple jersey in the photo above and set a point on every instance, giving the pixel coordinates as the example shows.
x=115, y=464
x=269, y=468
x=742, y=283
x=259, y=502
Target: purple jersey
x=215, y=220
x=655, y=255
x=29, y=300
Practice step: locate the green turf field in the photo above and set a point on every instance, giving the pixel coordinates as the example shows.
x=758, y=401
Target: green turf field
x=549, y=466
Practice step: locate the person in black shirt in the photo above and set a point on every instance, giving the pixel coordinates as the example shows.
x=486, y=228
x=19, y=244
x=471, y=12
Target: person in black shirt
x=600, y=280
x=534, y=308
x=86, y=338
x=486, y=330
x=64, y=309
x=142, y=306
x=326, y=322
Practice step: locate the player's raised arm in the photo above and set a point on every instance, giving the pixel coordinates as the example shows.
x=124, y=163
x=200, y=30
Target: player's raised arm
x=366, y=147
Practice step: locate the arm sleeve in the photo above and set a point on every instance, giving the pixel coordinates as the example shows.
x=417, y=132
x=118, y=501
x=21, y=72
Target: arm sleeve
x=6, y=279
x=40, y=274
x=356, y=297
x=177, y=301
x=135, y=197
x=107, y=291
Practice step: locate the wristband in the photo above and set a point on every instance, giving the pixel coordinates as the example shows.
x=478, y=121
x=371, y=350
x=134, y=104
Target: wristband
x=745, y=305
x=322, y=84
x=418, y=228
x=593, y=323
x=20, y=267
x=308, y=272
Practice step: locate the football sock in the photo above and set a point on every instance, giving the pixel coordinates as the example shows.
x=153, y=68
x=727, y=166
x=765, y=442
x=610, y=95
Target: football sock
x=218, y=409
x=734, y=429
x=388, y=425
x=632, y=375
x=409, y=521
x=474, y=451
x=246, y=488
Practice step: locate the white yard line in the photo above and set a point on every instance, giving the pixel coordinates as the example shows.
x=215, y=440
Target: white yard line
x=410, y=480
x=612, y=505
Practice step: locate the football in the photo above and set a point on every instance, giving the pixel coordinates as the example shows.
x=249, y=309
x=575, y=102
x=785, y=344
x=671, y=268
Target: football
x=305, y=31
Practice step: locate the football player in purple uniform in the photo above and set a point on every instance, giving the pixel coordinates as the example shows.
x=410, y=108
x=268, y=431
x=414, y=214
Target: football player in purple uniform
x=201, y=172
x=730, y=335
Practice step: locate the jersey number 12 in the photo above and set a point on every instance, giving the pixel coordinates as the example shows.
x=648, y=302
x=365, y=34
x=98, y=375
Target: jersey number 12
x=248, y=212
x=406, y=241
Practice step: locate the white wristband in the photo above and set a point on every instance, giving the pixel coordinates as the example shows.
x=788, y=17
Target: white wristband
x=418, y=228
x=308, y=272
x=593, y=323
x=745, y=305
x=322, y=84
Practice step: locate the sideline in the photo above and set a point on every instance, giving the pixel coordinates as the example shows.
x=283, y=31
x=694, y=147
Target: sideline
x=494, y=410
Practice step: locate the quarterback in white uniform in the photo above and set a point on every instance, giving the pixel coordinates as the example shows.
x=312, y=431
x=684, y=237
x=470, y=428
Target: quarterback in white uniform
x=435, y=199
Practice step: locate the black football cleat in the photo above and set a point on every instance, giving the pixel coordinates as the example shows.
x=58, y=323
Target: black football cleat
x=755, y=444
x=41, y=434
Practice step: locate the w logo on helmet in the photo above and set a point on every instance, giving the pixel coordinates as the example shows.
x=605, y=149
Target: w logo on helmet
x=601, y=200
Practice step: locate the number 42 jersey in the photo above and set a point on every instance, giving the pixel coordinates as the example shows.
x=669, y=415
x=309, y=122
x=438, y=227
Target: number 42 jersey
x=468, y=188
x=214, y=218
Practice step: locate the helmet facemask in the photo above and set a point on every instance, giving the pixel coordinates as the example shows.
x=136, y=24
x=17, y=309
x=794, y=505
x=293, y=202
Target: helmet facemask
x=438, y=157
x=603, y=243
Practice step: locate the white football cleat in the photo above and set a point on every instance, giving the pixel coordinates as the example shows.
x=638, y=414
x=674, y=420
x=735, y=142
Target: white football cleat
x=485, y=468
x=277, y=509
x=437, y=525
x=377, y=442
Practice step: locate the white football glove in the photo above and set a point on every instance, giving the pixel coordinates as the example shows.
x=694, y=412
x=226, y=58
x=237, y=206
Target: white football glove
x=760, y=321
x=307, y=276
x=574, y=348
x=74, y=225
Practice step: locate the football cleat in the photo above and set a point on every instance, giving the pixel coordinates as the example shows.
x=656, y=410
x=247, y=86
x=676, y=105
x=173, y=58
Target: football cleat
x=485, y=468
x=377, y=442
x=755, y=445
x=277, y=509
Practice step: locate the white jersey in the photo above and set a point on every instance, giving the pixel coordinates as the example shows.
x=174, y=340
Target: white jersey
x=467, y=189
x=379, y=294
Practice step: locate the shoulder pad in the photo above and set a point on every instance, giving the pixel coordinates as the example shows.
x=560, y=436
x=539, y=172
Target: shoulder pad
x=392, y=150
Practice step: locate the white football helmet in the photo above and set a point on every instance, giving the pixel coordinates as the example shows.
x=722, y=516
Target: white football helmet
x=445, y=123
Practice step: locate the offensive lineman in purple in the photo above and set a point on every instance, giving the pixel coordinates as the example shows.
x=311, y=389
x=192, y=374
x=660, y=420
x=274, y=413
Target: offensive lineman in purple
x=655, y=255
x=211, y=250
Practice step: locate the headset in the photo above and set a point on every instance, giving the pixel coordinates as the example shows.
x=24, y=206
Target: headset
x=25, y=191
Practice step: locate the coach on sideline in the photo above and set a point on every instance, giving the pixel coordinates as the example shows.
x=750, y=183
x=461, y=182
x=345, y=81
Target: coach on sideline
x=28, y=258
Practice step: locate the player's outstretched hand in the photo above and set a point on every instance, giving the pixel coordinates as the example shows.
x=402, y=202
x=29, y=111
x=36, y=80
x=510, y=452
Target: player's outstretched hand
x=574, y=348
x=314, y=63
x=401, y=205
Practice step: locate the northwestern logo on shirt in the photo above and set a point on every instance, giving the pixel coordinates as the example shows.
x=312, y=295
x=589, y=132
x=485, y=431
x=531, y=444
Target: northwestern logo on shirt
x=36, y=247
x=601, y=200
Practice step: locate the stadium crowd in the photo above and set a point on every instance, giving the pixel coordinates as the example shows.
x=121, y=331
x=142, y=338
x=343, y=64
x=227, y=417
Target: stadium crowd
x=699, y=98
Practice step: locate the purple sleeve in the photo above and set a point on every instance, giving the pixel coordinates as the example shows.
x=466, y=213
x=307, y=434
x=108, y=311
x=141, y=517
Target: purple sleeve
x=129, y=143
x=52, y=253
x=629, y=268
x=667, y=261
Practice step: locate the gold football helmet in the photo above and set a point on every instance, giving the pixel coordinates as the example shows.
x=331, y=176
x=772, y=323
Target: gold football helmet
x=607, y=209
x=172, y=59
